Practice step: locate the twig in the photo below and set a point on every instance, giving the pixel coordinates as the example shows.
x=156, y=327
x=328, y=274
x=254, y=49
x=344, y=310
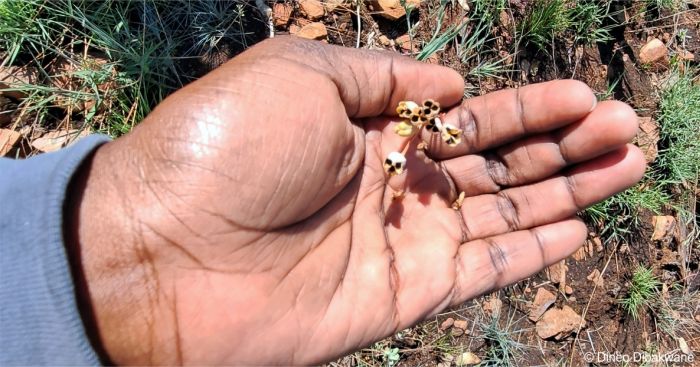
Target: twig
x=359, y=24
x=266, y=11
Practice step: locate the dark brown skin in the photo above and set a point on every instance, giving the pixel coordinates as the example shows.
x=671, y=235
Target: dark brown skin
x=248, y=220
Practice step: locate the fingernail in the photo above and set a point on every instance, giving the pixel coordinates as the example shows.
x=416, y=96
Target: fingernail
x=595, y=103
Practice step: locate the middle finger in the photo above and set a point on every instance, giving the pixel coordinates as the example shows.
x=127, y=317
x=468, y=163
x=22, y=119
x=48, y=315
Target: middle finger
x=608, y=127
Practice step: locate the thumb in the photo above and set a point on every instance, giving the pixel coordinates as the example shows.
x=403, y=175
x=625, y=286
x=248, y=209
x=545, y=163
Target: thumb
x=370, y=82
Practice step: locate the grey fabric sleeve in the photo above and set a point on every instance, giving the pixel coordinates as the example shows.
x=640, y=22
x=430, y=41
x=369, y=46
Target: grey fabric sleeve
x=39, y=319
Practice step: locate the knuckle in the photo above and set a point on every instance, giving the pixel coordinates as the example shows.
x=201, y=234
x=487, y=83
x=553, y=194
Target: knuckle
x=508, y=210
x=499, y=261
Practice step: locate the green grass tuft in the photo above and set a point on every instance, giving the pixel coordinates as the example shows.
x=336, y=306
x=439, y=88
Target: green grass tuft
x=679, y=120
x=441, y=37
x=147, y=46
x=619, y=216
x=642, y=292
x=545, y=20
x=673, y=177
x=502, y=349
x=586, y=20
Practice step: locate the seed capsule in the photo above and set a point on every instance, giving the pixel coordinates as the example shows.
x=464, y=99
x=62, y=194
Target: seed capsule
x=394, y=164
x=408, y=108
x=434, y=125
x=405, y=129
x=451, y=135
x=430, y=108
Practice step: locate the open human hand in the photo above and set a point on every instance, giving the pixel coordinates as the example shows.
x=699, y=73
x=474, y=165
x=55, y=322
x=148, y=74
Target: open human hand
x=248, y=219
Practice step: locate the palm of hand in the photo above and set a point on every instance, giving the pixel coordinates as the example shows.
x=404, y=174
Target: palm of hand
x=278, y=240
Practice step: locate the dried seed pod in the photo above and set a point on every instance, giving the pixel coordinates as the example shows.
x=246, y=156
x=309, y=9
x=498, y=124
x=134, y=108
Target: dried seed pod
x=459, y=201
x=451, y=135
x=405, y=129
x=394, y=163
x=434, y=125
x=430, y=108
x=418, y=120
x=408, y=108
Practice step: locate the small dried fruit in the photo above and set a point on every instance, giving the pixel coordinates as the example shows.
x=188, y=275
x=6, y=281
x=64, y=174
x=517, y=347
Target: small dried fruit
x=451, y=135
x=405, y=129
x=394, y=163
x=415, y=119
x=431, y=108
x=406, y=109
x=434, y=125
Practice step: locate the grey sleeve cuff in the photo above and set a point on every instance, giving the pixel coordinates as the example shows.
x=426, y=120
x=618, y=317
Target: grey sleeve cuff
x=39, y=319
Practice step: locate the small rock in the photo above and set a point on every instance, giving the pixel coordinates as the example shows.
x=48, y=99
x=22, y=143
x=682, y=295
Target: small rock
x=56, y=140
x=568, y=290
x=281, y=12
x=596, y=278
x=313, y=9
x=686, y=55
x=294, y=29
x=313, y=31
x=447, y=324
x=647, y=138
x=580, y=254
x=457, y=332
x=461, y=324
x=467, y=359
x=15, y=77
x=331, y=5
x=654, y=51
x=392, y=9
x=8, y=139
x=663, y=227
x=697, y=318
x=492, y=306
x=301, y=22
x=556, y=273
x=505, y=19
x=558, y=323
x=598, y=244
x=543, y=300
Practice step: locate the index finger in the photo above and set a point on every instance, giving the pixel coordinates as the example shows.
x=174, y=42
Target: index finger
x=500, y=117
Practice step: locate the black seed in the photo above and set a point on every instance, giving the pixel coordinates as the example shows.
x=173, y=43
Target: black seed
x=387, y=161
x=428, y=103
x=435, y=108
x=399, y=165
x=392, y=169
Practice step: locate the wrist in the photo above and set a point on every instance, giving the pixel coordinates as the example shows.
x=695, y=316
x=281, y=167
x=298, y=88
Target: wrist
x=113, y=281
